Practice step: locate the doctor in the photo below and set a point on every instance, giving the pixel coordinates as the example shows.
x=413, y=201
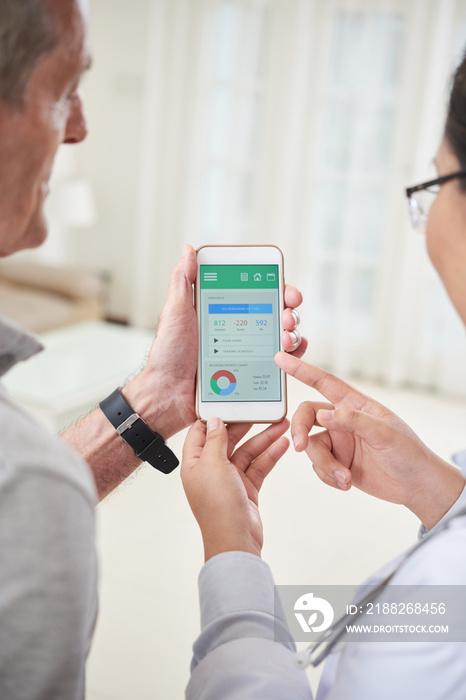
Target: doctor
x=363, y=445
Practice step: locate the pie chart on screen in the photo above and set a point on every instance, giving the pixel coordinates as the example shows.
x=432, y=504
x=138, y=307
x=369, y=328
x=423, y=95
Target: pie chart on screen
x=223, y=382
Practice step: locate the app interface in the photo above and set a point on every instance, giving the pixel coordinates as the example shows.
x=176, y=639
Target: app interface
x=240, y=332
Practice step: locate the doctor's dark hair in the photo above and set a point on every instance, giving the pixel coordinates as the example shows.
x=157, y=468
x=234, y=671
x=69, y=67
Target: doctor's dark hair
x=455, y=126
x=26, y=33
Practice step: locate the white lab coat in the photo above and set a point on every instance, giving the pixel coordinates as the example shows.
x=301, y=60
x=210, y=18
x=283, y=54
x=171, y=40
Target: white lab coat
x=236, y=657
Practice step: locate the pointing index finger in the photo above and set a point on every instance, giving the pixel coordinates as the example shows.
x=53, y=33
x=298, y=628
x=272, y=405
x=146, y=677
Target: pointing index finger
x=331, y=387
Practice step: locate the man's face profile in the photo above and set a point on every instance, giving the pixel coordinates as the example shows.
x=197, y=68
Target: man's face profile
x=51, y=114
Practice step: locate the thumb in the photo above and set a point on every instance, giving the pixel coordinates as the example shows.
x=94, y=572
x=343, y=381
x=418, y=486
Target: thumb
x=216, y=446
x=183, y=276
x=190, y=263
x=347, y=419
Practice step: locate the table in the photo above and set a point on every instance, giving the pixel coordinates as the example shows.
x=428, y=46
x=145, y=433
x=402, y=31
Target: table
x=80, y=365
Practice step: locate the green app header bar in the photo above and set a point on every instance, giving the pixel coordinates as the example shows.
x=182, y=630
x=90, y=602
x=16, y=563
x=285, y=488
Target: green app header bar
x=239, y=276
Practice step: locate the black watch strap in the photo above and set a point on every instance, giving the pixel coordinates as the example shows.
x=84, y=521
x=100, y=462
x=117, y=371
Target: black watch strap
x=148, y=445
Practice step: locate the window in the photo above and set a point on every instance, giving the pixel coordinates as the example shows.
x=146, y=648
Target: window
x=234, y=86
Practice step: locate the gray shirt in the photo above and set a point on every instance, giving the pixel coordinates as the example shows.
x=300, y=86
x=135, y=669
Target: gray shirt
x=48, y=569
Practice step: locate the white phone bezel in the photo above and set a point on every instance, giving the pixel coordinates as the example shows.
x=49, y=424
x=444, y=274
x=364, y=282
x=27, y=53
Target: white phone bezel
x=240, y=411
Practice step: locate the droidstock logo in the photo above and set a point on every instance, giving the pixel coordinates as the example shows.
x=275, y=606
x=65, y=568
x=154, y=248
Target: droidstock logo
x=313, y=606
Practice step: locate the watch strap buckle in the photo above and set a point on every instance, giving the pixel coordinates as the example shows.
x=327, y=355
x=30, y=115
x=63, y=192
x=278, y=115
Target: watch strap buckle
x=127, y=424
x=148, y=445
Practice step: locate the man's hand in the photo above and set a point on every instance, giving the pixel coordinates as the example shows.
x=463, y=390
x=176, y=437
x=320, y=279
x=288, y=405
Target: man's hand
x=164, y=393
x=367, y=445
x=222, y=485
x=291, y=339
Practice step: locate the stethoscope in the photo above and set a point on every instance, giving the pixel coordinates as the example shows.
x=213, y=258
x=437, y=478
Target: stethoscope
x=319, y=650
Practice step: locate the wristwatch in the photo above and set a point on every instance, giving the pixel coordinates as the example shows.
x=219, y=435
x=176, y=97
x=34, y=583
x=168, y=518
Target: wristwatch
x=148, y=445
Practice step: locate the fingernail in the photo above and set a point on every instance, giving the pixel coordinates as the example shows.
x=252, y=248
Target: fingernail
x=296, y=441
x=343, y=487
x=295, y=337
x=213, y=424
x=185, y=251
x=340, y=475
x=323, y=415
x=296, y=316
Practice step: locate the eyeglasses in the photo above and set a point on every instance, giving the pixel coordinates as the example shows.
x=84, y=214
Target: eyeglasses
x=421, y=197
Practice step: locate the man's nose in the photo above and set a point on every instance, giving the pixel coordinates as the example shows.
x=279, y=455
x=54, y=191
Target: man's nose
x=76, y=126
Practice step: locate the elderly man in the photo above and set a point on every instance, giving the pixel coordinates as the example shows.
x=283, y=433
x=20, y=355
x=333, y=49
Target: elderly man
x=48, y=489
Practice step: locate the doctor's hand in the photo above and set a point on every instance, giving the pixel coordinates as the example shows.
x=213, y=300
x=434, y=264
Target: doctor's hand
x=366, y=445
x=164, y=392
x=222, y=484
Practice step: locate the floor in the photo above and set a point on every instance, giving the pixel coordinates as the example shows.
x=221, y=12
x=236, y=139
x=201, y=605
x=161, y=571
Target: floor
x=151, y=552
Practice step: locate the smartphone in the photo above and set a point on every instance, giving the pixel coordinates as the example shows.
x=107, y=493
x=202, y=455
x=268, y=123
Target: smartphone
x=239, y=301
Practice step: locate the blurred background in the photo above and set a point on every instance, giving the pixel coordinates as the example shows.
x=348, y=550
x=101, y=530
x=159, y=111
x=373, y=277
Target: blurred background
x=292, y=122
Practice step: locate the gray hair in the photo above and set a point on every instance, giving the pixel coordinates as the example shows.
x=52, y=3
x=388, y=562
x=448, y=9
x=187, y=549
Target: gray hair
x=26, y=33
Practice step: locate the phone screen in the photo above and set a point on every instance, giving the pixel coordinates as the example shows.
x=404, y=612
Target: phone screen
x=240, y=333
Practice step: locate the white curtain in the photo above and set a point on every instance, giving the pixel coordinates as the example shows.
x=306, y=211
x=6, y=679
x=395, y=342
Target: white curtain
x=299, y=123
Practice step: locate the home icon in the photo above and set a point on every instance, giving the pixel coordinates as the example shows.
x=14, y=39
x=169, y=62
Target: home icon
x=257, y=277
